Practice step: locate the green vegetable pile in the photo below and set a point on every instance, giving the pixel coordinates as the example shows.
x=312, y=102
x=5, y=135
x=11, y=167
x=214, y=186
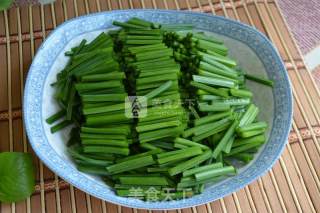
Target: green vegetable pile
x=191, y=118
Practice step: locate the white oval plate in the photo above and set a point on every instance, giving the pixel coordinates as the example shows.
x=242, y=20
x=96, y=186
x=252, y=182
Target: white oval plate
x=250, y=48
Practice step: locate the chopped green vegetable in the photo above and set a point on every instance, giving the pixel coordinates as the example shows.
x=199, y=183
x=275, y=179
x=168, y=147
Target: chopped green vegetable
x=185, y=153
x=215, y=172
x=222, y=144
x=131, y=164
x=195, y=161
x=53, y=118
x=202, y=169
x=259, y=80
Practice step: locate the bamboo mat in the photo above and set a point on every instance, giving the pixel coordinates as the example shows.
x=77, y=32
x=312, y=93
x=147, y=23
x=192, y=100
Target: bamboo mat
x=292, y=185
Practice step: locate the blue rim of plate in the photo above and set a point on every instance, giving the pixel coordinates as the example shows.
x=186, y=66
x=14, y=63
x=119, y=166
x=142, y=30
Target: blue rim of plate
x=259, y=43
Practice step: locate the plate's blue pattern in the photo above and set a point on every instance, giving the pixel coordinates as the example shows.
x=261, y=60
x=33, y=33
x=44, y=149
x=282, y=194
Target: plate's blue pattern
x=255, y=40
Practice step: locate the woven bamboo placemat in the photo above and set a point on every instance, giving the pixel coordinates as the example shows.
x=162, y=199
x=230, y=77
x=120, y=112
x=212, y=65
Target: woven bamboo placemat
x=292, y=185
